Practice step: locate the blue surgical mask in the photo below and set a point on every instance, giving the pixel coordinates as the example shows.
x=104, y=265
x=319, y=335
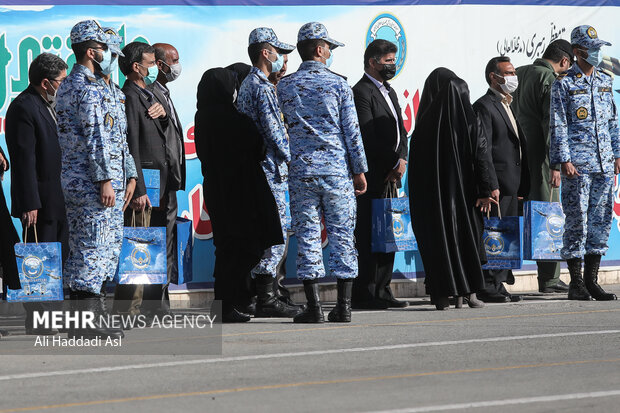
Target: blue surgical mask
x=106, y=63
x=594, y=56
x=151, y=76
x=330, y=59
x=277, y=65
x=113, y=66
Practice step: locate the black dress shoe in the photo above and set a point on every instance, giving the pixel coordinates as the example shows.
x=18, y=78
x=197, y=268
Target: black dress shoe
x=394, y=303
x=560, y=287
x=375, y=304
x=514, y=298
x=234, y=316
x=493, y=298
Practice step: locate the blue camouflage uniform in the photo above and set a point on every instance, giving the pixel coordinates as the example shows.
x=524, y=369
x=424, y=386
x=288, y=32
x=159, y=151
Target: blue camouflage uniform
x=257, y=99
x=93, y=149
x=584, y=131
x=326, y=149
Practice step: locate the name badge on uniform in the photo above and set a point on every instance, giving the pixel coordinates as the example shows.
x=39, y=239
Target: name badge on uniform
x=108, y=121
x=578, y=92
x=604, y=89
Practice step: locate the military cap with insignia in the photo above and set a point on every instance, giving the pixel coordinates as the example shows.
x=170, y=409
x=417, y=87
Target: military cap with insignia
x=587, y=37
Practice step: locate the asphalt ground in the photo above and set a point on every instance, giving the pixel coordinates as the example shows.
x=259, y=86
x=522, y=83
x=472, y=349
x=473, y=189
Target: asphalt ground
x=544, y=354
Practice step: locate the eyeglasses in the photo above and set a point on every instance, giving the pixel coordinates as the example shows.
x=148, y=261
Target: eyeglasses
x=59, y=81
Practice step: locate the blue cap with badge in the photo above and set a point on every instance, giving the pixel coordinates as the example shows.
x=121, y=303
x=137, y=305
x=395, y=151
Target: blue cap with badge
x=114, y=40
x=267, y=35
x=315, y=30
x=587, y=37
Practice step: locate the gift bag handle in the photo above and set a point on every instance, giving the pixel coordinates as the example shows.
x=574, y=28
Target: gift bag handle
x=146, y=217
x=36, y=236
x=391, y=191
x=499, y=212
x=551, y=194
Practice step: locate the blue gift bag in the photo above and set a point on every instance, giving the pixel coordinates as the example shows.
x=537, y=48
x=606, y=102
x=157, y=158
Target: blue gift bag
x=40, y=272
x=543, y=228
x=143, y=256
x=391, y=225
x=152, y=183
x=185, y=247
x=502, y=243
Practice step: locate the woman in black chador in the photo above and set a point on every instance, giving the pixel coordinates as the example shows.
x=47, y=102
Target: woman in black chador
x=449, y=185
x=241, y=206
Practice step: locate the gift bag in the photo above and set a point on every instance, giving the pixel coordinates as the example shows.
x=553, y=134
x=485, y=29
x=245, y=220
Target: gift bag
x=185, y=247
x=152, y=183
x=502, y=242
x=143, y=254
x=543, y=228
x=40, y=271
x=391, y=223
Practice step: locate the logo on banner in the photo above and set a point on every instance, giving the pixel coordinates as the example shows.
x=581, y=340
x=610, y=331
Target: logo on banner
x=387, y=27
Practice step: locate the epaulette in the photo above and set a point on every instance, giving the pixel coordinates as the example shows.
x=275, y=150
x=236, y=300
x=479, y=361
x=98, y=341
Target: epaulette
x=561, y=76
x=92, y=79
x=605, y=72
x=337, y=74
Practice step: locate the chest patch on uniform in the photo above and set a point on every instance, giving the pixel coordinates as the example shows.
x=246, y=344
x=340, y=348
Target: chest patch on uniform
x=604, y=89
x=108, y=121
x=577, y=92
x=582, y=113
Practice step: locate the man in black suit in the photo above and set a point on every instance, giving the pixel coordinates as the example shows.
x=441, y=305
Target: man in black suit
x=32, y=141
x=167, y=60
x=385, y=144
x=147, y=137
x=509, y=171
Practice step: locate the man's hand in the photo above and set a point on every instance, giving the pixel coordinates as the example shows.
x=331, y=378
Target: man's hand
x=156, y=111
x=3, y=167
x=397, y=173
x=30, y=218
x=140, y=203
x=617, y=166
x=131, y=187
x=555, y=178
x=106, y=192
x=485, y=204
x=569, y=170
x=495, y=195
x=359, y=184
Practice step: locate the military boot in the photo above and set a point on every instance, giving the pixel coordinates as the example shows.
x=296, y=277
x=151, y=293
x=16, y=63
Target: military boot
x=313, y=312
x=576, y=288
x=341, y=313
x=590, y=274
x=267, y=303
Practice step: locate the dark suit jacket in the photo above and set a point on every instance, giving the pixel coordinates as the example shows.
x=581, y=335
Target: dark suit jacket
x=8, y=238
x=509, y=173
x=174, y=142
x=32, y=141
x=379, y=132
x=146, y=137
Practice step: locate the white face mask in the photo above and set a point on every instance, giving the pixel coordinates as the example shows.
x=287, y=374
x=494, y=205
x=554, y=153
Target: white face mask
x=510, y=85
x=175, y=71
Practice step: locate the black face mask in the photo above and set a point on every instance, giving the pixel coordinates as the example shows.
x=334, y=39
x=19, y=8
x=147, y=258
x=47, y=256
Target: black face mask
x=388, y=71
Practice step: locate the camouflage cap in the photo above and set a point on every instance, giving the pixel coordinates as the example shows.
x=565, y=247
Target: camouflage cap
x=586, y=36
x=267, y=35
x=114, y=40
x=88, y=30
x=315, y=30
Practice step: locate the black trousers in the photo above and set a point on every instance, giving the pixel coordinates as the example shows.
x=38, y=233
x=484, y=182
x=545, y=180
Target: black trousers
x=375, y=269
x=155, y=297
x=232, y=269
x=493, y=279
x=47, y=231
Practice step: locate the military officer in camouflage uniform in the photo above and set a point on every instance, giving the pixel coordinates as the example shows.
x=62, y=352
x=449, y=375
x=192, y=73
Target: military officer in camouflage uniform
x=257, y=99
x=326, y=170
x=585, y=140
x=98, y=174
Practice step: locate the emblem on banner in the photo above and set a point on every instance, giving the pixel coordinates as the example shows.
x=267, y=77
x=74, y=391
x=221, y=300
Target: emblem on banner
x=387, y=27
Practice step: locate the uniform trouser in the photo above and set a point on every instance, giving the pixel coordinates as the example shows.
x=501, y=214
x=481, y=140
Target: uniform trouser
x=335, y=197
x=95, y=239
x=133, y=295
x=540, y=190
x=48, y=231
x=493, y=279
x=278, y=285
x=587, y=201
x=269, y=263
x=375, y=268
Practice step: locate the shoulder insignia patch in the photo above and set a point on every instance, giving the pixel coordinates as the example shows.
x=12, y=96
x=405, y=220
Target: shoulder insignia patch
x=582, y=113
